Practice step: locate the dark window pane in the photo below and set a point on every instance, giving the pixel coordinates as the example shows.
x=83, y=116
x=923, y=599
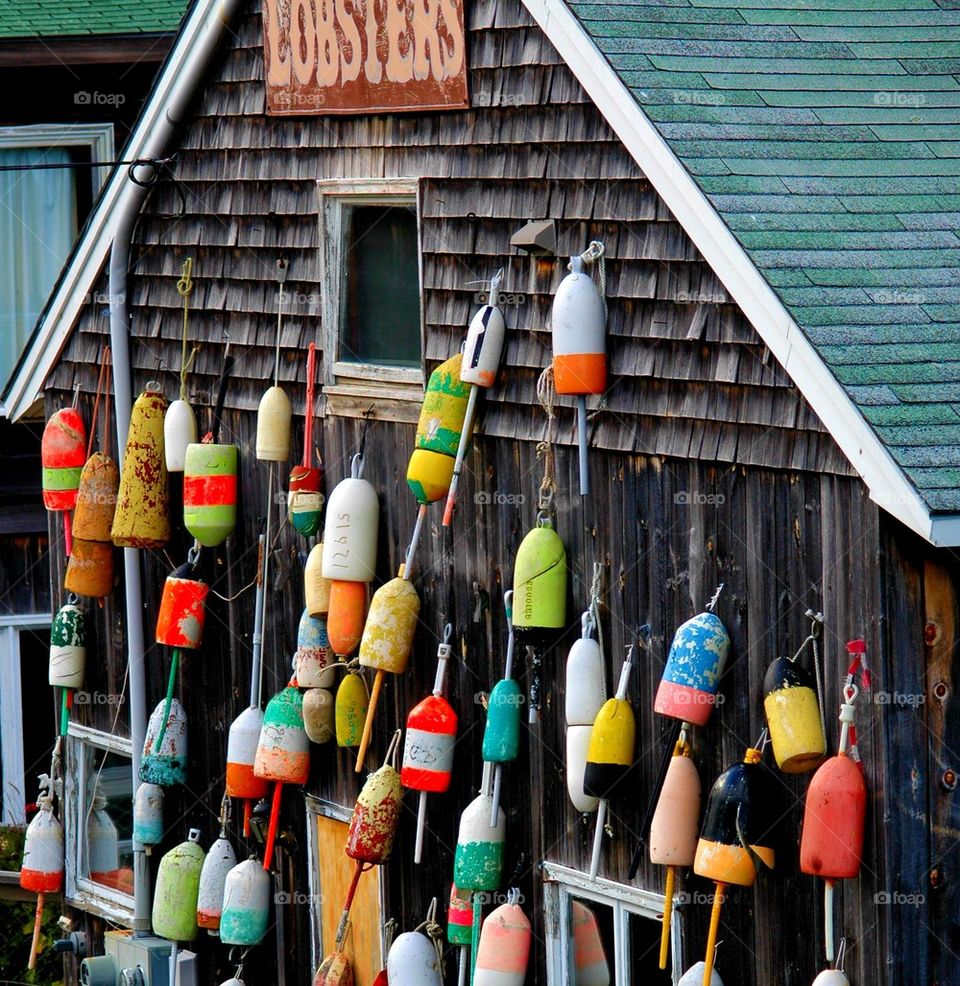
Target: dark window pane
x=381, y=308
x=645, y=953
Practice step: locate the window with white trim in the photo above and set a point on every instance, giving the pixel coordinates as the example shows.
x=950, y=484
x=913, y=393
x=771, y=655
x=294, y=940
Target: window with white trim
x=628, y=920
x=370, y=288
x=48, y=182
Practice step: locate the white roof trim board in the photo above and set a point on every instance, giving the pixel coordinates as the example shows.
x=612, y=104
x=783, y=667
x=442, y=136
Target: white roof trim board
x=887, y=483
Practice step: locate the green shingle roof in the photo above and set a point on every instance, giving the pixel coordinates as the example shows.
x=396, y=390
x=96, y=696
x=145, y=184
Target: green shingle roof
x=66, y=18
x=826, y=133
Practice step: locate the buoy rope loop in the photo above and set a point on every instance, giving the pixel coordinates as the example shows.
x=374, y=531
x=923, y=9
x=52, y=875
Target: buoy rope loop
x=595, y=587
x=184, y=289
x=433, y=930
x=715, y=598
x=193, y=555
x=393, y=750
x=841, y=954
x=357, y=462
x=72, y=599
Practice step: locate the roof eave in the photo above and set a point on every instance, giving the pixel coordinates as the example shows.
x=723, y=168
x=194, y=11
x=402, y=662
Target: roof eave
x=887, y=483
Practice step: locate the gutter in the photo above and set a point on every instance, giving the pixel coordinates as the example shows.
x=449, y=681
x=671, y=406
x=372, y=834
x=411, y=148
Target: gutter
x=193, y=50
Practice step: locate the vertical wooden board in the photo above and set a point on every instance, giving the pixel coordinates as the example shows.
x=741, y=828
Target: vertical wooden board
x=335, y=870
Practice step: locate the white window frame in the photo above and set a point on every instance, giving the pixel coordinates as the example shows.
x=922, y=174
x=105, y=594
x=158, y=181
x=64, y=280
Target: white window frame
x=329, y=809
x=560, y=883
x=97, y=136
x=80, y=891
x=346, y=383
x=11, y=711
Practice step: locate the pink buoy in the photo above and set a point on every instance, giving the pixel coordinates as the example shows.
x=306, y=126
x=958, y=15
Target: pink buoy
x=504, y=950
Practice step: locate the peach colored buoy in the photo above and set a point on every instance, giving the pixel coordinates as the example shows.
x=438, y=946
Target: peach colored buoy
x=504, y=951
x=589, y=958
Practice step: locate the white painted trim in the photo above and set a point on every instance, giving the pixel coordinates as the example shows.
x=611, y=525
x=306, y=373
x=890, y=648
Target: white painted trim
x=148, y=139
x=97, y=136
x=886, y=481
x=398, y=383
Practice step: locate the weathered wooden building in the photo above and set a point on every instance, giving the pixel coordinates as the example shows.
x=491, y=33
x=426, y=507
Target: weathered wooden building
x=710, y=462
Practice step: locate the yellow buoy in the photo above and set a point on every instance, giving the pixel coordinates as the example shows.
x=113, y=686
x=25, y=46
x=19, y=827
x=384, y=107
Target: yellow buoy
x=350, y=709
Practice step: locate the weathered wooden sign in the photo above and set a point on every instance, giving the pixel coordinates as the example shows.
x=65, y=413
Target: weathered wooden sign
x=364, y=56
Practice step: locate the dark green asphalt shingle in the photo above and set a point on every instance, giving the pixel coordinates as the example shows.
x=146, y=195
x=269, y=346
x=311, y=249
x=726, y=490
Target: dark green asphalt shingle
x=71, y=18
x=827, y=135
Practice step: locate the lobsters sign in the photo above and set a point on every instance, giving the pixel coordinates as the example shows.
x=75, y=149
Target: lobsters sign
x=364, y=56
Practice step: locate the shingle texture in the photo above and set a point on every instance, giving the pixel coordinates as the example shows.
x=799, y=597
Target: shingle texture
x=827, y=135
x=65, y=18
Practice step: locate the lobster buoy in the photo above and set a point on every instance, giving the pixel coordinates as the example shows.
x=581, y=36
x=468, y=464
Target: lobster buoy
x=182, y=610
x=540, y=581
x=242, y=743
x=673, y=831
x=583, y=698
x=373, y=824
x=350, y=529
x=793, y=717
x=283, y=754
x=694, y=976
x=68, y=647
x=178, y=884
x=589, y=958
x=246, y=904
x=179, y=431
x=834, y=814
x=316, y=587
x=738, y=830
x=305, y=505
x=96, y=499
x=691, y=677
x=90, y=569
x=387, y=642
x=274, y=418
x=221, y=859
x=459, y=917
x=167, y=764
x=485, y=338
x=504, y=951
x=142, y=518
x=210, y=492
x=831, y=977
x=413, y=961
x=318, y=715
x=314, y=658
x=501, y=734
x=62, y=455
x=335, y=970
x=350, y=709
x=148, y=816
x=478, y=860
x=347, y=616
x=103, y=856
x=41, y=870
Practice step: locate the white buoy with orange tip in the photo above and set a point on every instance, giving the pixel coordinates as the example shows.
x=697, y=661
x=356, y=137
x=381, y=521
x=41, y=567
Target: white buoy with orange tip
x=673, y=831
x=835, y=809
x=431, y=736
x=583, y=699
x=219, y=861
x=589, y=959
x=481, y=358
x=578, y=329
x=504, y=950
x=42, y=869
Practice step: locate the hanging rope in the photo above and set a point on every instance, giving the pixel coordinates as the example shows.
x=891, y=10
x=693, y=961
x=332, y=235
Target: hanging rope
x=433, y=930
x=184, y=289
x=103, y=390
x=595, y=586
x=281, y=278
x=812, y=641
x=546, y=395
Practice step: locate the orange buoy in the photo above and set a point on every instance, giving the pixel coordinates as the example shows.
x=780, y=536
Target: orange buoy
x=347, y=616
x=835, y=812
x=62, y=454
x=182, y=611
x=90, y=569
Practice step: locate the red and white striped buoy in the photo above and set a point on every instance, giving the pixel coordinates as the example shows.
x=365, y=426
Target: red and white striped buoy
x=504, y=951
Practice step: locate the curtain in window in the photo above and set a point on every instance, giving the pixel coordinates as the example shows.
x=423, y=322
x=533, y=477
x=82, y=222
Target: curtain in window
x=38, y=224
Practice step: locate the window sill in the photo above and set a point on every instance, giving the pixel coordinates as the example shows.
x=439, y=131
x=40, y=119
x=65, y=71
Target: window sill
x=384, y=393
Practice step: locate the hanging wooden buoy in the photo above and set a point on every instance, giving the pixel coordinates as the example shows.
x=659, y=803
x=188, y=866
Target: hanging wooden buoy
x=501, y=734
x=318, y=715
x=242, y=740
x=305, y=502
x=578, y=331
x=68, y=647
x=430, y=740
x=737, y=834
x=583, y=699
x=387, y=642
x=148, y=816
x=175, y=896
x=274, y=417
x=688, y=688
x=245, y=918
x=220, y=860
x=347, y=616
x=165, y=764
x=314, y=660
x=350, y=529
x=413, y=961
x=835, y=809
x=793, y=717
x=831, y=977
x=96, y=498
x=335, y=970
x=350, y=709
x=210, y=492
x=504, y=951
x=316, y=587
x=478, y=368
x=62, y=455
x=41, y=870
x=694, y=976
x=589, y=958
x=610, y=755
x=90, y=569
x=182, y=609
x=283, y=754
x=460, y=930
x=142, y=518
x=540, y=581
x=103, y=856
x=478, y=860
x=673, y=832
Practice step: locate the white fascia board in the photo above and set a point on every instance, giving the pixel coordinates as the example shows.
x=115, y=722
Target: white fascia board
x=148, y=140
x=886, y=481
